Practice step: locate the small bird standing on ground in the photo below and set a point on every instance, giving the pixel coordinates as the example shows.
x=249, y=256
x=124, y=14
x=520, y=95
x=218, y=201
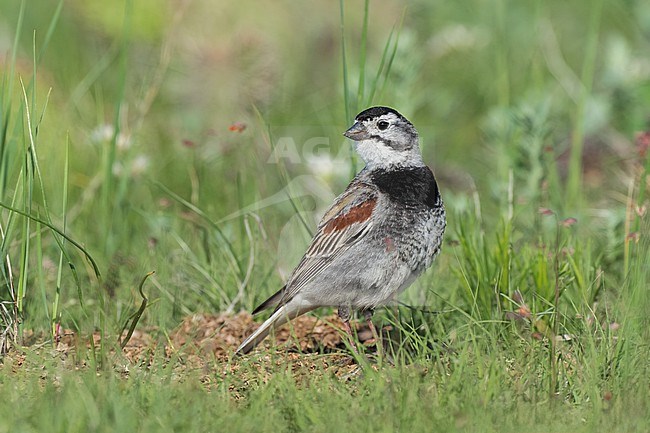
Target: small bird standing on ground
x=378, y=236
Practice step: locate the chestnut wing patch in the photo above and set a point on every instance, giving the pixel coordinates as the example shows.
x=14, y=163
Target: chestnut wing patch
x=349, y=220
x=357, y=214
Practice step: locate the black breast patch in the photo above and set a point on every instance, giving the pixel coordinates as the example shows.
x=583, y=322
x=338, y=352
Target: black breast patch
x=415, y=186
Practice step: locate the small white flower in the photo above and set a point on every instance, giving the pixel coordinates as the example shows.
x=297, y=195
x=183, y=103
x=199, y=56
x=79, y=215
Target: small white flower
x=139, y=165
x=123, y=141
x=326, y=167
x=102, y=133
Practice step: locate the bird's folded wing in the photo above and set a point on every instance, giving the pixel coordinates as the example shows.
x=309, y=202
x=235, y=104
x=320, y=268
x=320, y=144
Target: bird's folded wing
x=343, y=225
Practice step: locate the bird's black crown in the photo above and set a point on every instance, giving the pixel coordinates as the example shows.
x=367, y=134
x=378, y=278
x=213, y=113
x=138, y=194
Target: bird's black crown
x=374, y=112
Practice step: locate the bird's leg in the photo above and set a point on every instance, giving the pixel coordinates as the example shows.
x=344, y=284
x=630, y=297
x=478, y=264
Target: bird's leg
x=368, y=315
x=344, y=314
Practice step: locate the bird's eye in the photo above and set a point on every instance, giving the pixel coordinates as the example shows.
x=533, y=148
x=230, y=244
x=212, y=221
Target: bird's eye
x=382, y=125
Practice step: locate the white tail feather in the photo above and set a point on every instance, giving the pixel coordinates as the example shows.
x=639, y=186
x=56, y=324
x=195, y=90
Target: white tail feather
x=278, y=318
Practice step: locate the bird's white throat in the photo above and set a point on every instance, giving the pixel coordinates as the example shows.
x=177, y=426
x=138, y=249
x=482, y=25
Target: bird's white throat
x=378, y=155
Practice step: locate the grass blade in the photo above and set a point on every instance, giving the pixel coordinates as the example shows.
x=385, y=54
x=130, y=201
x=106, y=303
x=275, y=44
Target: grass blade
x=135, y=317
x=346, y=84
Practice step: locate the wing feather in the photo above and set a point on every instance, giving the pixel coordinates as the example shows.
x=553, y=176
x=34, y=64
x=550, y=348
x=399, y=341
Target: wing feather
x=343, y=225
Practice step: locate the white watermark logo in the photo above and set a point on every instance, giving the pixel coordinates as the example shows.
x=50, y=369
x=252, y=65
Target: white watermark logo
x=310, y=151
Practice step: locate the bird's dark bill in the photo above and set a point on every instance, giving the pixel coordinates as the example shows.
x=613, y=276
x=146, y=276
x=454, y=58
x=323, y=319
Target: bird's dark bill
x=357, y=132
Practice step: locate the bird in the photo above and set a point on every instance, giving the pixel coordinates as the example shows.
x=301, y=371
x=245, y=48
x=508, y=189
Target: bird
x=380, y=234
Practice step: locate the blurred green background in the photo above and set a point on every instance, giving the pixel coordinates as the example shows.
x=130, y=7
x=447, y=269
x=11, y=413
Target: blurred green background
x=202, y=140
x=180, y=114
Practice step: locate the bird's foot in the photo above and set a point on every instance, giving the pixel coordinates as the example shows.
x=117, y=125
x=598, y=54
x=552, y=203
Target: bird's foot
x=376, y=338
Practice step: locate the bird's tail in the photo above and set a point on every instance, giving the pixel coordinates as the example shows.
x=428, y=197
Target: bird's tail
x=279, y=317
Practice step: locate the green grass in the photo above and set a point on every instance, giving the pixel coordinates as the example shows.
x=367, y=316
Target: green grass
x=117, y=158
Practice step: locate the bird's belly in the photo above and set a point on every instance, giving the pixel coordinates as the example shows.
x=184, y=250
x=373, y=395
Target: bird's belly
x=374, y=271
x=365, y=278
